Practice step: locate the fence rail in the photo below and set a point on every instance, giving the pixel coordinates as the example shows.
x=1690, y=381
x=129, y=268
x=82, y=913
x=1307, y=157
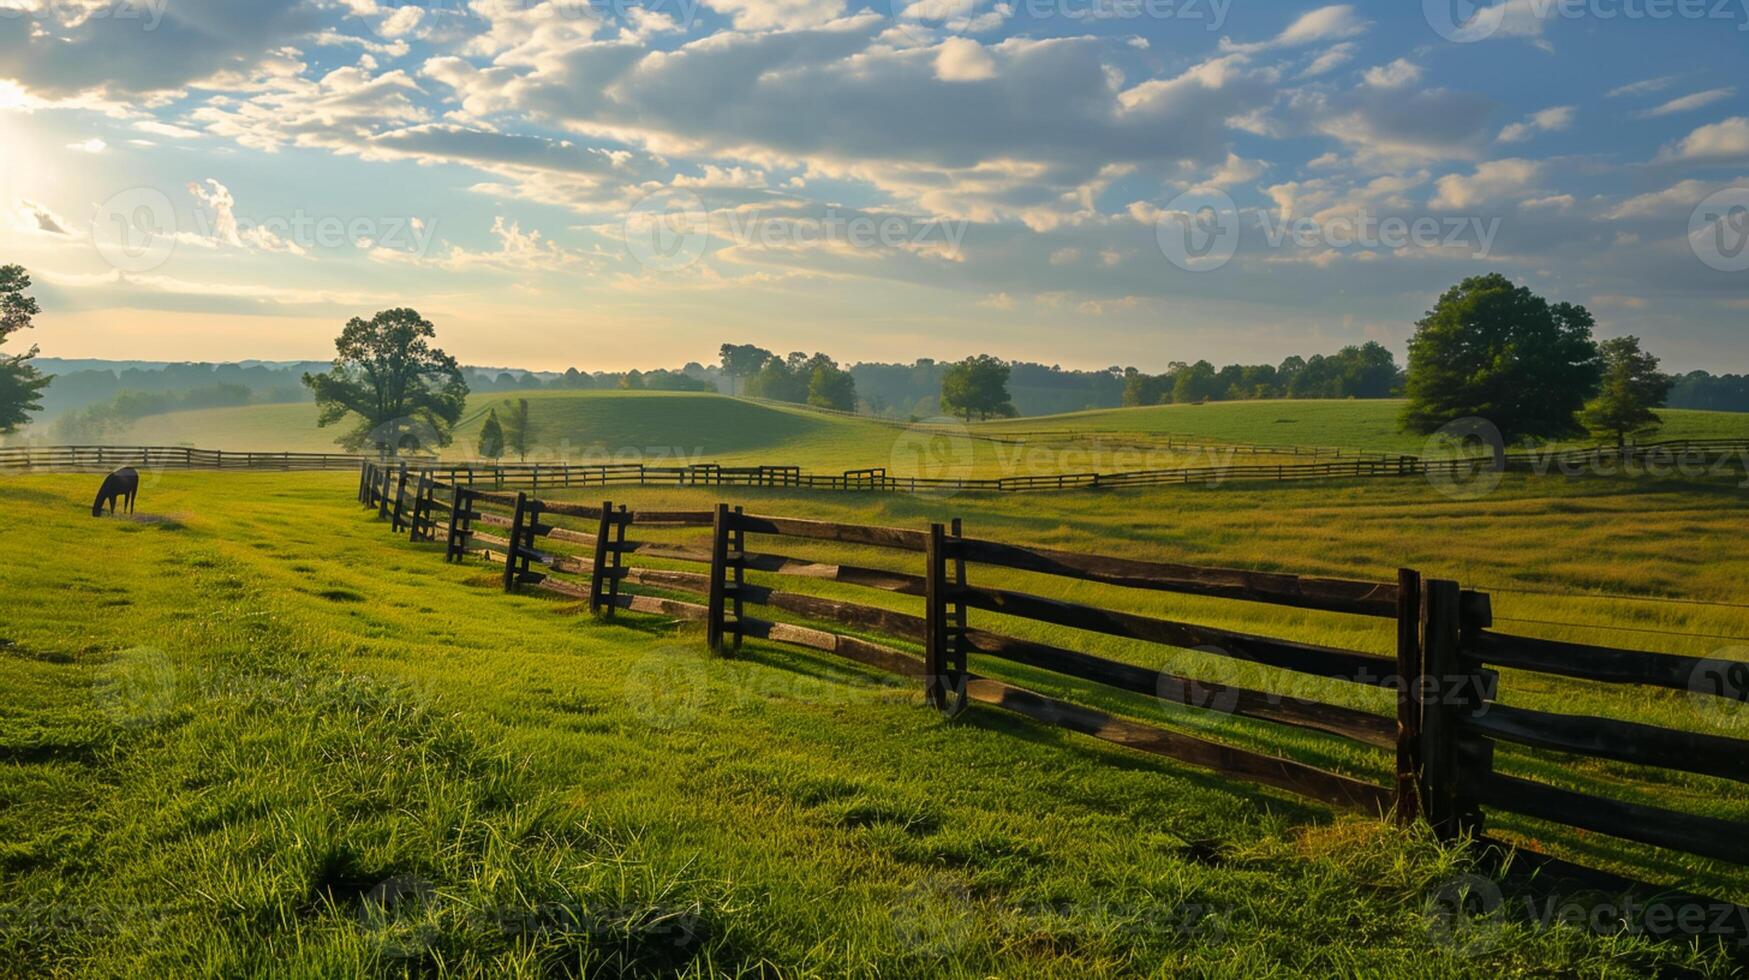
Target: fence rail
x=539, y=476
x=1439, y=747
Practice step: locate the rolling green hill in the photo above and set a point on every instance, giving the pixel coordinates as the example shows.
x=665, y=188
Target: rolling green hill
x=1350, y=424
x=670, y=427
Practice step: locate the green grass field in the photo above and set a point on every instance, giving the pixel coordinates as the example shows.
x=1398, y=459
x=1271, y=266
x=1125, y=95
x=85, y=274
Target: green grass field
x=666, y=428
x=249, y=732
x=1352, y=424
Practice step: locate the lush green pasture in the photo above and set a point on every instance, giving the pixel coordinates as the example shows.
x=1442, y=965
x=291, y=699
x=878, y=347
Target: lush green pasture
x=665, y=428
x=1351, y=424
x=1625, y=562
x=248, y=732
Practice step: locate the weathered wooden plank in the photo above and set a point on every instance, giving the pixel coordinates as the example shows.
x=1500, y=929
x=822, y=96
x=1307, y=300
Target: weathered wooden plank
x=850, y=647
x=1706, y=836
x=1361, y=726
x=1359, y=668
x=662, y=579
x=672, y=518
x=568, y=509
x=491, y=539
x=1593, y=663
x=881, y=537
x=667, y=552
x=869, y=578
x=847, y=613
x=1335, y=595
x=568, y=589
x=1623, y=741
x=1285, y=774
x=563, y=534
x=659, y=607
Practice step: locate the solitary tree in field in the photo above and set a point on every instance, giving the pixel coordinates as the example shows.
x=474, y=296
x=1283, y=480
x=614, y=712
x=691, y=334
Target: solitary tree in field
x=1496, y=351
x=21, y=384
x=742, y=361
x=491, y=437
x=1632, y=387
x=977, y=386
x=403, y=393
x=516, y=427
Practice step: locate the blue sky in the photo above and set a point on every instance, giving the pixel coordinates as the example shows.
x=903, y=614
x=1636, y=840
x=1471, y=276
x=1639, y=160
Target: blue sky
x=631, y=182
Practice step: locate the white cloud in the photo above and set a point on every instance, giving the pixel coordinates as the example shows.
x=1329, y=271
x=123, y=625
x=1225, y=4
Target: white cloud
x=1725, y=140
x=1645, y=87
x=962, y=60
x=1552, y=120
x=37, y=218
x=1330, y=59
x=1688, y=103
x=1491, y=182
x=783, y=15
x=1394, y=75
x=1673, y=201
x=1332, y=23
x=92, y=145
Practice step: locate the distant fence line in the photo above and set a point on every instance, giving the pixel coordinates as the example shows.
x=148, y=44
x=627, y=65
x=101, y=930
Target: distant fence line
x=537, y=476
x=1444, y=674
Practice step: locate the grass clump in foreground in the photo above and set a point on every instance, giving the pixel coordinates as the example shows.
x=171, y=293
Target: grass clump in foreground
x=250, y=733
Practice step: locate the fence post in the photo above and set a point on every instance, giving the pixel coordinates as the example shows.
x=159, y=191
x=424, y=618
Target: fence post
x=421, y=508
x=944, y=651
x=460, y=504
x=598, y=571
x=1410, y=673
x=400, y=492
x=515, y=536
x=363, y=475
x=383, y=496
x=714, y=625
x=1453, y=761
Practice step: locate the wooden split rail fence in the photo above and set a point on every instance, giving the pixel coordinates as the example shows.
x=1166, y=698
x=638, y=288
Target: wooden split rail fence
x=1444, y=673
x=550, y=476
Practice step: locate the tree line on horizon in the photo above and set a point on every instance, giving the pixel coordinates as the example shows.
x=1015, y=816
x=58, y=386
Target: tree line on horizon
x=1488, y=349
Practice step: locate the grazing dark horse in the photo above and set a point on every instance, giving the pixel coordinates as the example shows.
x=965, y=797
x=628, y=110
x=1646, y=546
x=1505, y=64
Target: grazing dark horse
x=125, y=483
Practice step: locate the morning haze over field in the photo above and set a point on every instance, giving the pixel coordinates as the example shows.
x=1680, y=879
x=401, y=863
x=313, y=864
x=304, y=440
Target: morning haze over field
x=1077, y=488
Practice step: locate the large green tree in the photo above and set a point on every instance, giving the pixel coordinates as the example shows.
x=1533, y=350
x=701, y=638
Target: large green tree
x=516, y=427
x=491, y=437
x=977, y=386
x=1632, y=387
x=21, y=384
x=830, y=386
x=742, y=361
x=401, y=393
x=1499, y=352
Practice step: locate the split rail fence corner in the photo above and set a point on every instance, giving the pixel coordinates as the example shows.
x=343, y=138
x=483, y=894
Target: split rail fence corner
x=1444, y=674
